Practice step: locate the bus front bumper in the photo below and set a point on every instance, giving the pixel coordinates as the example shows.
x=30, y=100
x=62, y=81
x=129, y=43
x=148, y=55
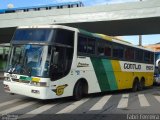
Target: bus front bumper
x=29, y=90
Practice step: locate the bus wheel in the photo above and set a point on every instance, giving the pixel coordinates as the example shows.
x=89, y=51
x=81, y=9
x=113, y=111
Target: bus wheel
x=135, y=85
x=141, y=84
x=78, y=91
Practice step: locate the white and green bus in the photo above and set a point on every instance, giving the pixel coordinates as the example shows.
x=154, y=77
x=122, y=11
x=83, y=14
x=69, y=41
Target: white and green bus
x=54, y=61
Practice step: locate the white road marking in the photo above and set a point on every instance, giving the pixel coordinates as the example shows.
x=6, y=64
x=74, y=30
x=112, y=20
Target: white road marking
x=143, y=101
x=13, y=109
x=123, y=103
x=38, y=111
x=99, y=105
x=9, y=102
x=72, y=107
x=157, y=98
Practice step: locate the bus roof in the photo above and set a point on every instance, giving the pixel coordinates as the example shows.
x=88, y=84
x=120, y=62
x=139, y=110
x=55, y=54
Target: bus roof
x=113, y=39
x=96, y=35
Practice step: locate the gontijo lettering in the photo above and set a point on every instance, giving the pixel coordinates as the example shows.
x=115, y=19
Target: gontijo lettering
x=132, y=66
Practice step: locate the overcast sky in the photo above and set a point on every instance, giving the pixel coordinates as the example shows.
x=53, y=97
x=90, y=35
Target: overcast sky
x=147, y=39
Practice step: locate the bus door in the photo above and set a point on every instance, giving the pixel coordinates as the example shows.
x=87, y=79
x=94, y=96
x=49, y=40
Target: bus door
x=62, y=53
x=61, y=61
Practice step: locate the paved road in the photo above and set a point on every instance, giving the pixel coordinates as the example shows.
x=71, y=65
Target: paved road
x=122, y=105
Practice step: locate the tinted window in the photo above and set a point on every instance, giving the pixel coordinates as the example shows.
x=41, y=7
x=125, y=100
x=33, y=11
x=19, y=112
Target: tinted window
x=139, y=55
x=64, y=37
x=129, y=53
x=107, y=49
x=86, y=45
x=91, y=46
x=152, y=57
x=82, y=44
x=118, y=51
x=147, y=56
x=100, y=48
x=33, y=35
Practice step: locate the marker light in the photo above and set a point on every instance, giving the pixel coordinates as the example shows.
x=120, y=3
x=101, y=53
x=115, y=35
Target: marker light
x=34, y=79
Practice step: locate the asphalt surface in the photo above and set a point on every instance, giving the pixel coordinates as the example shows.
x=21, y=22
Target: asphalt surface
x=117, y=105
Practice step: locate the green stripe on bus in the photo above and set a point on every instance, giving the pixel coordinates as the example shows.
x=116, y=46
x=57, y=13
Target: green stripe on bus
x=101, y=74
x=110, y=74
x=86, y=33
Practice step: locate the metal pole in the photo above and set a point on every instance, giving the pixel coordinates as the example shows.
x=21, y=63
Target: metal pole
x=140, y=37
x=140, y=40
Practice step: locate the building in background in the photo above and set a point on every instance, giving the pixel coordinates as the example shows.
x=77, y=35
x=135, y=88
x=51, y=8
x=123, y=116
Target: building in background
x=155, y=47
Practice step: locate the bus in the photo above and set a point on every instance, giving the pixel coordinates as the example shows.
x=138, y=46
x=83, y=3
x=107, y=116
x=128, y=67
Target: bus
x=157, y=59
x=55, y=61
x=157, y=68
x=4, y=50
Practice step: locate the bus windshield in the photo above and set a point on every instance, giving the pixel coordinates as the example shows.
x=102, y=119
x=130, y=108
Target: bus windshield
x=29, y=60
x=36, y=52
x=157, y=55
x=33, y=35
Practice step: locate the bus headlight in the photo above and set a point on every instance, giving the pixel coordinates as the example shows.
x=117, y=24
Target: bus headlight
x=39, y=84
x=36, y=82
x=7, y=79
x=43, y=84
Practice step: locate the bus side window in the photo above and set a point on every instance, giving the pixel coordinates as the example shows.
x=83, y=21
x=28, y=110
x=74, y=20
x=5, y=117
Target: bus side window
x=91, y=46
x=55, y=69
x=152, y=58
x=64, y=37
x=60, y=62
x=139, y=55
x=55, y=58
x=129, y=54
x=100, y=48
x=108, y=49
x=82, y=44
x=118, y=51
x=147, y=57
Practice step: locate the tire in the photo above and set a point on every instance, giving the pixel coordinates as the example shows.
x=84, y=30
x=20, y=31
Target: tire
x=78, y=91
x=135, y=86
x=141, y=85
